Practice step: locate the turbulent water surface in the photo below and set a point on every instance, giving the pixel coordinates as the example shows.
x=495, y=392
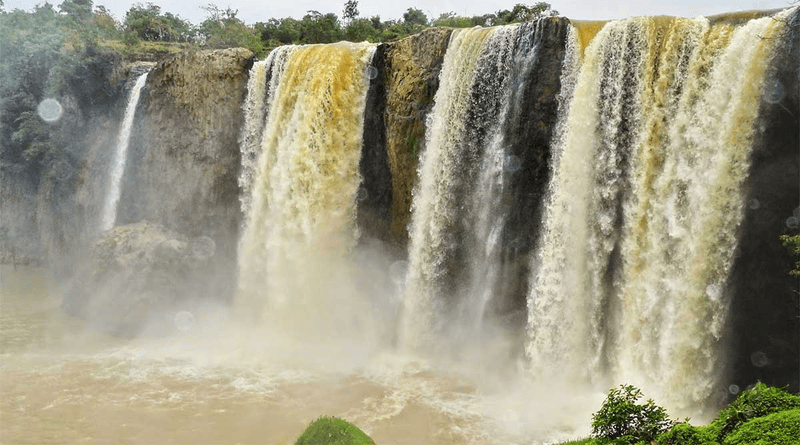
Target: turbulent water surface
x=496, y=330
x=224, y=381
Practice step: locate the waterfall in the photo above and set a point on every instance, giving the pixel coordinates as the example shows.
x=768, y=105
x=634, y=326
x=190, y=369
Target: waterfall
x=460, y=213
x=302, y=173
x=619, y=221
x=120, y=157
x=641, y=221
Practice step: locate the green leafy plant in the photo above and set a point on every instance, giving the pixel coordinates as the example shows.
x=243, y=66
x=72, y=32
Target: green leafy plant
x=686, y=434
x=782, y=428
x=758, y=401
x=621, y=420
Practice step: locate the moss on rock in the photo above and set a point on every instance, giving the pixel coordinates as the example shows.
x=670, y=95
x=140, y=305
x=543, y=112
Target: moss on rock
x=333, y=431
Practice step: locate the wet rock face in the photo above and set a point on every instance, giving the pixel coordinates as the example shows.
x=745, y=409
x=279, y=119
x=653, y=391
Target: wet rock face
x=139, y=277
x=764, y=323
x=184, y=158
x=411, y=79
x=375, y=191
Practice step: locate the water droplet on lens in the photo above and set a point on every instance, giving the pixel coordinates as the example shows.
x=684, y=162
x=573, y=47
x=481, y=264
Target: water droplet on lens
x=775, y=92
x=759, y=359
x=734, y=389
x=50, y=110
x=372, y=72
x=713, y=291
x=511, y=163
x=792, y=222
x=754, y=204
x=62, y=170
x=203, y=247
x=184, y=320
x=397, y=271
x=362, y=194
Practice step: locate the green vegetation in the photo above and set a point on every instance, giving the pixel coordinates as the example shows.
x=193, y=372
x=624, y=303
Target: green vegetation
x=762, y=415
x=622, y=421
x=793, y=244
x=70, y=51
x=333, y=431
x=782, y=428
x=47, y=54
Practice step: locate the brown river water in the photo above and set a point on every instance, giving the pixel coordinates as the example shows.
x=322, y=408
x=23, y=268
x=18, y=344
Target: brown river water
x=217, y=383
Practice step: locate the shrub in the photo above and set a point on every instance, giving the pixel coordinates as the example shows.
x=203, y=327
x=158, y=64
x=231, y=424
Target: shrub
x=622, y=421
x=685, y=434
x=758, y=401
x=781, y=428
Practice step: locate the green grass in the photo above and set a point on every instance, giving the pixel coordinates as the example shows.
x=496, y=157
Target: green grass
x=781, y=428
x=333, y=431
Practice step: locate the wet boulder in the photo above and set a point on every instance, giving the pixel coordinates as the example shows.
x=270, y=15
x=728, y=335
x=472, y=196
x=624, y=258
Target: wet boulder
x=142, y=279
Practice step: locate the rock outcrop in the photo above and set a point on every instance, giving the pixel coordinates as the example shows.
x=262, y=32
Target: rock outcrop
x=411, y=78
x=139, y=277
x=184, y=159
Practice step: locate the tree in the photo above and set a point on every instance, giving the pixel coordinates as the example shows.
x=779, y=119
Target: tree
x=452, y=20
x=350, y=11
x=147, y=22
x=414, y=16
x=105, y=23
x=222, y=29
x=525, y=13
x=288, y=31
x=80, y=10
x=622, y=421
x=318, y=28
x=360, y=30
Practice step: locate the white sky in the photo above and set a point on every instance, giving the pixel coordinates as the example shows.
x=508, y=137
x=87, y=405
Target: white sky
x=252, y=11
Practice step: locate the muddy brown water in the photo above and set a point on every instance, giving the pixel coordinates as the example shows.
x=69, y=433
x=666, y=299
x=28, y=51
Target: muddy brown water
x=63, y=383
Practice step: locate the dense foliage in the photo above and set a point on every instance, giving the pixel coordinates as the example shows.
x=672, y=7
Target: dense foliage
x=761, y=415
x=621, y=420
x=146, y=22
x=47, y=55
x=51, y=52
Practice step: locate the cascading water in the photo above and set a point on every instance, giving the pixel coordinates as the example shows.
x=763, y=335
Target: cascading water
x=300, y=220
x=461, y=237
x=109, y=215
x=444, y=163
x=641, y=222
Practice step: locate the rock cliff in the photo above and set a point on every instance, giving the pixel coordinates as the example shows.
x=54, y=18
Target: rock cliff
x=411, y=78
x=184, y=158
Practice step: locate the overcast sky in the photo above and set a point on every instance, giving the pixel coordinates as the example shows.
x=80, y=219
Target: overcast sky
x=252, y=11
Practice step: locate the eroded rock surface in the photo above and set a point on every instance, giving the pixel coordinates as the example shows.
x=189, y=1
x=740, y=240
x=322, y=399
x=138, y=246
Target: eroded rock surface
x=411, y=78
x=139, y=277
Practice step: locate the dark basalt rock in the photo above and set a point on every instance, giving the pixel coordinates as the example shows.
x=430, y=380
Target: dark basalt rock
x=764, y=309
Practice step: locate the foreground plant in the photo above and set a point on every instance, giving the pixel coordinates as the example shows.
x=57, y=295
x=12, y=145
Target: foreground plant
x=333, y=431
x=622, y=421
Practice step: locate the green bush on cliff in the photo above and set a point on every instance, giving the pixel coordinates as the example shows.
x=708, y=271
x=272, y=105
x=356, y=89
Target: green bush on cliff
x=623, y=421
x=762, y=415
x=686, y=434
x=333, y=431
x=782, y=428
x=758, y=401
